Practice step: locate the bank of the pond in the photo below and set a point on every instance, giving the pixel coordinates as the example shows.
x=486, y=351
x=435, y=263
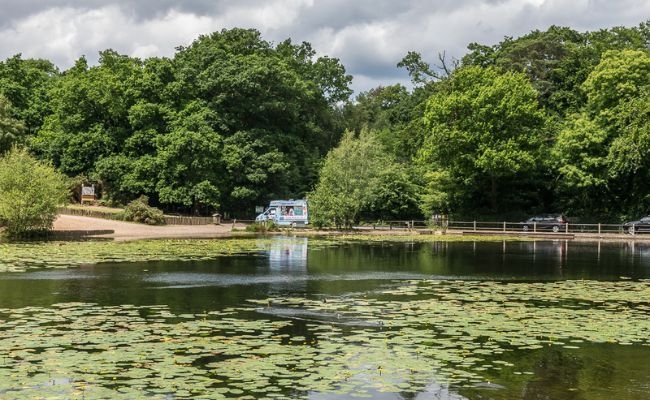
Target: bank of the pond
x=74, y=225
x=70, y=227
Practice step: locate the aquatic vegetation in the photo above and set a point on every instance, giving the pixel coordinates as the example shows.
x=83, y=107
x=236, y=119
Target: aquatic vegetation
x=19, y=257
x=399, y=339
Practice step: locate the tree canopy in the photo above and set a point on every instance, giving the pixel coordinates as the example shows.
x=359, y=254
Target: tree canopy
x=553, y=121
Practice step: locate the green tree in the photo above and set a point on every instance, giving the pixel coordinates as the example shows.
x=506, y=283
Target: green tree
x=579, y=156
x=26, y=84
x=618, y=78
x=30, y=193
x=274, y=107
x=90, y=117
x=602, y=154
x=557, y=61
x=485, y=132
x=10, y=129
x=357, y=177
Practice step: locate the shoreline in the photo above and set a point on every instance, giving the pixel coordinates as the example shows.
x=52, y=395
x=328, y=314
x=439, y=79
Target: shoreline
x=71, y=226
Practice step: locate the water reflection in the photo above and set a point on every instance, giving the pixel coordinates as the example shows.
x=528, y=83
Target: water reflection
x=288, y=254
x=289, y=268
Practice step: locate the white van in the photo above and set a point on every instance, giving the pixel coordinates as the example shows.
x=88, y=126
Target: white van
x=286, y=213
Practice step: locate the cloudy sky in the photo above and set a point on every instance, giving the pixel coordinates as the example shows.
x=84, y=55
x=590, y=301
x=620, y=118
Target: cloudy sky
x=369, y=36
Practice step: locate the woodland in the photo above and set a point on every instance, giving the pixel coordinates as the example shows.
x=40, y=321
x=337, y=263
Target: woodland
x=552, y=121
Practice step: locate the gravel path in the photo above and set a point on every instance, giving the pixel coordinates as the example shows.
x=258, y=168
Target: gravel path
x=132, y=231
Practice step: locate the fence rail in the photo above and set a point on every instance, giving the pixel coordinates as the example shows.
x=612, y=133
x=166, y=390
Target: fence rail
x=181, y=220
x=498, y=226
x=438, y=224
x=82, y=212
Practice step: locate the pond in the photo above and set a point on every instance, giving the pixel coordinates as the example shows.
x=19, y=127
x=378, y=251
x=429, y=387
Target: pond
x=292, y=319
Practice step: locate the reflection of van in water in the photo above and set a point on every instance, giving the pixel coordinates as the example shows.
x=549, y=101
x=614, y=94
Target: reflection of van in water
x=286, y=213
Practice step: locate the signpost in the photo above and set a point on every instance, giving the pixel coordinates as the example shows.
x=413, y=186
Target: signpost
x=88, y=194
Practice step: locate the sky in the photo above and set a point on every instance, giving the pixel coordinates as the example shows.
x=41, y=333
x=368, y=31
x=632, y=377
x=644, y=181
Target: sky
x=369, y=37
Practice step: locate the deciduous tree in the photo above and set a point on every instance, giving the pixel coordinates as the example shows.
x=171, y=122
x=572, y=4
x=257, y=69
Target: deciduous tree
x=30, y=193
x=485, y=131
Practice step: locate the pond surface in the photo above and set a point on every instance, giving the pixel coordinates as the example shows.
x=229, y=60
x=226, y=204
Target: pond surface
x=443, y=320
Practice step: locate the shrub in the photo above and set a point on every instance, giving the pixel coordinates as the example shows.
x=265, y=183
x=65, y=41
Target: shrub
x=30, y=193
x=139, y=210
x=262, y=227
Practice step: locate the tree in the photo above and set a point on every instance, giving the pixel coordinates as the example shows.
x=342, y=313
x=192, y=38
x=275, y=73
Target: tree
x=273, y=107
x=90, y=118
x=26, y=84
x=485, y=132
x=557, y=61
x=30, y=193
x=602, y=153
x=10, y=129
x=618, y=78
x=357, y=176
x=579, y=156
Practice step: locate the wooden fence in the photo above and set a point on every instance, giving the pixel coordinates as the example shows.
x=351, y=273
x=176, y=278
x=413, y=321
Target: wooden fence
x=94, y=213
x=182, y=220
x=169, y=219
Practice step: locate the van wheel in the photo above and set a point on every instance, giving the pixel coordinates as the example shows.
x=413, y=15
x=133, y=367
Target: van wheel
x=525, y=228
x=556, y=228
x=293, y=225
x=630, y=230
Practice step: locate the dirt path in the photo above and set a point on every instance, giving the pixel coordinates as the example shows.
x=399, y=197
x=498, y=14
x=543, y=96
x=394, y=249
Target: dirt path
x=132, y=231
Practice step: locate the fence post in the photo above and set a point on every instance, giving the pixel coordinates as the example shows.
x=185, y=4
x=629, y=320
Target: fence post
x=474, y=225
x=534, y=227
x=504, y=226
x=599, y=228
x=566, y=228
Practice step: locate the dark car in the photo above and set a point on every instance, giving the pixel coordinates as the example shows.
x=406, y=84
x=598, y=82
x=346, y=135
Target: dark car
x=555, y=223
x=640, y=226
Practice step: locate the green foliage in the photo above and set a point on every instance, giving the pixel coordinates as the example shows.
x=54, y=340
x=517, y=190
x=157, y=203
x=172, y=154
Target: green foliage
x=579, y=155
x=357, y=177
x=30, y=193
x=262, y=227
x=139, y=211
x=10, y=129
x=230, y=121
x=618, y=78
x=26, y=84
x=552, y=119
x=485, y=131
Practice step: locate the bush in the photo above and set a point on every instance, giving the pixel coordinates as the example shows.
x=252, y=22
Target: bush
x=139, y=210
x=30, y=194
x=262, y=227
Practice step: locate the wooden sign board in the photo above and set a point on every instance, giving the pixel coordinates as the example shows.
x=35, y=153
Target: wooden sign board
x=88, y=194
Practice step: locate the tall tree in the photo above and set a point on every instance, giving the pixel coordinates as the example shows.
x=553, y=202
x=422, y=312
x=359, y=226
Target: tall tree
x=26, y=83
x=273, y=108
x=359, y=176
x=485, y=133
x=607, y=152
x=11, y=130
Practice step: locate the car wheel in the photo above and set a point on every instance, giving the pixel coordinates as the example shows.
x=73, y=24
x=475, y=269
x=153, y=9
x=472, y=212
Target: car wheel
x=293, y=225
x=630, y=230
x=524, y=228
x=556, y=228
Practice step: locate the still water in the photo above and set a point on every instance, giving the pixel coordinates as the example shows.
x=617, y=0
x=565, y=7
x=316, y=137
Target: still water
x=445, y=320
